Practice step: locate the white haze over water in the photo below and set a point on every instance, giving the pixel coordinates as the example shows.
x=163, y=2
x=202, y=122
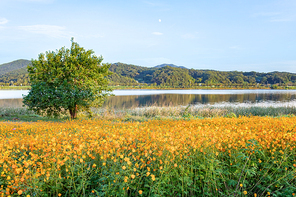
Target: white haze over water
x=264, y=104
x=249, y=104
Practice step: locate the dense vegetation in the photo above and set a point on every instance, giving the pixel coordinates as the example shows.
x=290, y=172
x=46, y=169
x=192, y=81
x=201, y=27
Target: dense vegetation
x=246, y=156
x=167, y=77
x=14, y=73
x=69, y=79
x=19, y=77
x=150, y=152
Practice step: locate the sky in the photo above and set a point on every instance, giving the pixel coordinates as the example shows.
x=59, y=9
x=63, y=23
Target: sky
x=226, y=35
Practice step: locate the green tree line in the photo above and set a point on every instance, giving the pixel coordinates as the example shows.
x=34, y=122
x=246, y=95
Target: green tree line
x=168, y=76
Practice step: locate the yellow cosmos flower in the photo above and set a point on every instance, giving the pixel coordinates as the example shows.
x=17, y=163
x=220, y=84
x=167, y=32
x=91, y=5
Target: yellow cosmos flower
x=153, y=177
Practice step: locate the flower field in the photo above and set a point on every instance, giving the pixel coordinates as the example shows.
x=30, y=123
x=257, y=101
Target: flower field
x=246, y=156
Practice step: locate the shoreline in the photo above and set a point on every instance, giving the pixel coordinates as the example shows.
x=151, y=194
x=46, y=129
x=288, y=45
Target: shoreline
x=170, y=88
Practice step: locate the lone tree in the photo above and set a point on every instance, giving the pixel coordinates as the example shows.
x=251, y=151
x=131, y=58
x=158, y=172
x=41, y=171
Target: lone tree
x=67, y=80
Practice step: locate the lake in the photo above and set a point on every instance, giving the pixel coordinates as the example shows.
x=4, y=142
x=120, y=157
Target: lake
x=141, y=98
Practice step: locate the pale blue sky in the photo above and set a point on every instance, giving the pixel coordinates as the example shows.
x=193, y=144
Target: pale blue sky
x=243, y=35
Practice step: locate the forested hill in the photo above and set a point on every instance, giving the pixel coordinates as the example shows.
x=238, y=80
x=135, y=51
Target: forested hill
x=12, y=66
x=171, y=65
x=183, y=77
x=15, y=73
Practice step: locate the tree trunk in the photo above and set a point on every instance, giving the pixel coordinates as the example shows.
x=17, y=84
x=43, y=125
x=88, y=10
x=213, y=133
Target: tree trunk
x=73, y=112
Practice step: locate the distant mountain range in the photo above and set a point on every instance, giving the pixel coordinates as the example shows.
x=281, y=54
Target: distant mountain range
x=171, y=65
x=170, y=75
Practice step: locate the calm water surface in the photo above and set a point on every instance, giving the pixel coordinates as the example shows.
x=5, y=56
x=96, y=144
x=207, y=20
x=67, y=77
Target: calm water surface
x=141, y=98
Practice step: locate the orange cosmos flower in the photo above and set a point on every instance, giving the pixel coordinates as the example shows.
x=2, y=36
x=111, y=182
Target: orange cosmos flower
x=20, y=192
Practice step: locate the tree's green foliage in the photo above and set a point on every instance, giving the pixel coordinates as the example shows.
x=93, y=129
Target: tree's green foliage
x=68, y=79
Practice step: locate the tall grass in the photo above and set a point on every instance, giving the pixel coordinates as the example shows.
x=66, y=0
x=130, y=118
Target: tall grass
x=193, y=112
x=156, y=112
x=15, y=87
x=14, y=111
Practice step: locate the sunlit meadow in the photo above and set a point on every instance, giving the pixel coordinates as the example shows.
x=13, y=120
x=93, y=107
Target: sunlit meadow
x=245, y=156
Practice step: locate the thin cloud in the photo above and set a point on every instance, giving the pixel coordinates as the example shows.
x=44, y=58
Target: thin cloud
x=188, y=36
x=38, y=1
x=151, y=61
x=234, y=47
x=287, y=63
x=266, y=14
x=157, y=33
x=3, y=21
x=157, y=5
x=283, y=19
x=151, y=3
x=154, y=4
x=48, y=30
x=276, y=16
x=282, y=66
x=92, y=36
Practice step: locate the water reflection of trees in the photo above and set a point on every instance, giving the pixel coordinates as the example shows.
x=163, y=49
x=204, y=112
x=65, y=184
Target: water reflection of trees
x=185, y=99
x=11, y=102
x=174, y=99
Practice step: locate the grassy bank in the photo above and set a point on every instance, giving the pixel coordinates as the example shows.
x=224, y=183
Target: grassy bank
x=180, y=112
x=154, y=112
x=15, y=87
